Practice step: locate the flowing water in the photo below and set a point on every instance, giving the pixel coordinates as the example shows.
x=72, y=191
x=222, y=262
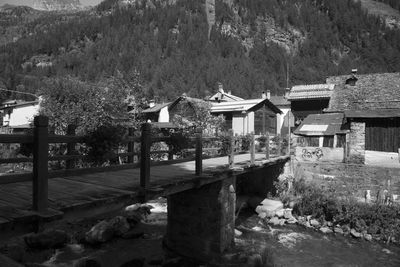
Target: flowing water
x=293, y=245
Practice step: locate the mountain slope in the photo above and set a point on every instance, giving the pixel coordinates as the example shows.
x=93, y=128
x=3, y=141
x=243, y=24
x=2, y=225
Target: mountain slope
x=390, y=15
x=176, y=46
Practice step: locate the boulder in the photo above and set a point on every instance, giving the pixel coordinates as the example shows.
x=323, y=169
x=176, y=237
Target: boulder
x=308, y=217
x=346, y=228
x=137, y=212
x=291, y=220
x=272, y=204
x=268, y=213
x=287, y=214
x=329, y=224
x=325, y=230
x=101, y=232
x=354, y=233
x=282, y=222
x=237, y=232
x=338, y=230
x=47, y=239
x=274, y=221
x=368, y=237
x=307, y=224
x=301, y=219
x=314, y=223
x=280, y=213
x=120, y=225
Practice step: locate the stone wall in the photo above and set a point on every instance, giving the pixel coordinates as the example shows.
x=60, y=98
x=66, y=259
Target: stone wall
x=356, y=142
x=350, y=179
x=201, y=221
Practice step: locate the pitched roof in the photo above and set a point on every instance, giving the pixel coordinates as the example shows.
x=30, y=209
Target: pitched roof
x=376, y=113
x=18, y=103
x=156, y=108
x=321, y=124
x=371, y=91
x=225, y=97
x=310, y=91
x=244, y=105
x=279, y=100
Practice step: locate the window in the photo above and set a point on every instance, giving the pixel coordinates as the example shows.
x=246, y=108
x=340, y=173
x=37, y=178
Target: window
x=309, y=141
x=328, y=141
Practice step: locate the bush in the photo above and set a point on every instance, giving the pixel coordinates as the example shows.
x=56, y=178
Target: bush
x=323, y=204
x=103, y=143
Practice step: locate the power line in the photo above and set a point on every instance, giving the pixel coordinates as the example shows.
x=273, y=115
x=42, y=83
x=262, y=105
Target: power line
x=8, y=90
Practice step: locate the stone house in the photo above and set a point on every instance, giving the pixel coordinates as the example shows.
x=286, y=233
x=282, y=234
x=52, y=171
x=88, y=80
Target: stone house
x=309, y=99
x=371, y=107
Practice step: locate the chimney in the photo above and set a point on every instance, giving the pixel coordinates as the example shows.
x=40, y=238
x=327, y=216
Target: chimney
x=230, y=92
x=263, y=95
x=220, y=88
x=268, y=94
x=152, y=103
x=287, y=91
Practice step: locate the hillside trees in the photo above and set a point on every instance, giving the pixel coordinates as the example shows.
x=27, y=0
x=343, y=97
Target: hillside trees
x=169, y=46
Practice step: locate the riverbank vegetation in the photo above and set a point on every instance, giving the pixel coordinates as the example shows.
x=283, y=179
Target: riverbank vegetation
x=370, y=218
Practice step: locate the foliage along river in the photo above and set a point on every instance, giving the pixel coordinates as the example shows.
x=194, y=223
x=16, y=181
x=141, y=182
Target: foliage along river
x=293, y=245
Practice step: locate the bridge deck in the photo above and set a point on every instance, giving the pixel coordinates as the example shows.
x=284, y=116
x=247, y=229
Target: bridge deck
x=75, y=191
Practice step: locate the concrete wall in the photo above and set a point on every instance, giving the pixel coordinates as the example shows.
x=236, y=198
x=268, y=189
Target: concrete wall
x=163, y=115
x=383, y=159
x=280, y=119
x=243, y=123
x=201, y=221
x=350, y=179
x=356, y=142
x=319, y=154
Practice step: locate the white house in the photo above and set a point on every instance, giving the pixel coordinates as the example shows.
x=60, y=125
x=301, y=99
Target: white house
x=18, y=113
x=247, y=116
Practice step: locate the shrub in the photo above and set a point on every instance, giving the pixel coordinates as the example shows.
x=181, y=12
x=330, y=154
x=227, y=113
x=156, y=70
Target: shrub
x=103, y=143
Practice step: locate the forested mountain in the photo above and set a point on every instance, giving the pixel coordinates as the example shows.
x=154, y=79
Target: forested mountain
x=190, y=45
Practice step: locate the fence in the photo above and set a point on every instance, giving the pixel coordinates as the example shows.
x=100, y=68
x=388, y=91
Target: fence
x=40, y=139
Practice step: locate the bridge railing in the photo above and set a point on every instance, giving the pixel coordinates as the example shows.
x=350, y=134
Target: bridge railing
x=40, y=140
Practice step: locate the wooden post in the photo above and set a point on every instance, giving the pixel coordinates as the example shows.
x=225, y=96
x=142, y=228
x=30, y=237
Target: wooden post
x=252, y=148
x=267, y=145
x=279, y=146
x=145, y=155
x=231, y=156
x=40, y=162
x=131, y=145
x=70, y=163
x=199, y=151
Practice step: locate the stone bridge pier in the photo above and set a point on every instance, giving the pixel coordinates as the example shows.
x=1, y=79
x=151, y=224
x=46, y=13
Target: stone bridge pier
x=201, y=221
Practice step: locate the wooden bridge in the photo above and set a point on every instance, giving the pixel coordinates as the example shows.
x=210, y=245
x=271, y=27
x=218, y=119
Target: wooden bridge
x=34, y=198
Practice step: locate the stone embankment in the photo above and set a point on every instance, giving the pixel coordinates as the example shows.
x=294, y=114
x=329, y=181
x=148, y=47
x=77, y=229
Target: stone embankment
x=273, y=212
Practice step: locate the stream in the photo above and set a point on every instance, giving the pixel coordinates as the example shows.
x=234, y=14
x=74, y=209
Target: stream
x=294, y=245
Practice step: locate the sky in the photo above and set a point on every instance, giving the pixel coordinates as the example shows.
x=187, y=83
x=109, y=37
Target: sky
x=30, y=2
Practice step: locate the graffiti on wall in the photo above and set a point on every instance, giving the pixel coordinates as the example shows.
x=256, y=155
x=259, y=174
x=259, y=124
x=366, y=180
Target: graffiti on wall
x=309, y=153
